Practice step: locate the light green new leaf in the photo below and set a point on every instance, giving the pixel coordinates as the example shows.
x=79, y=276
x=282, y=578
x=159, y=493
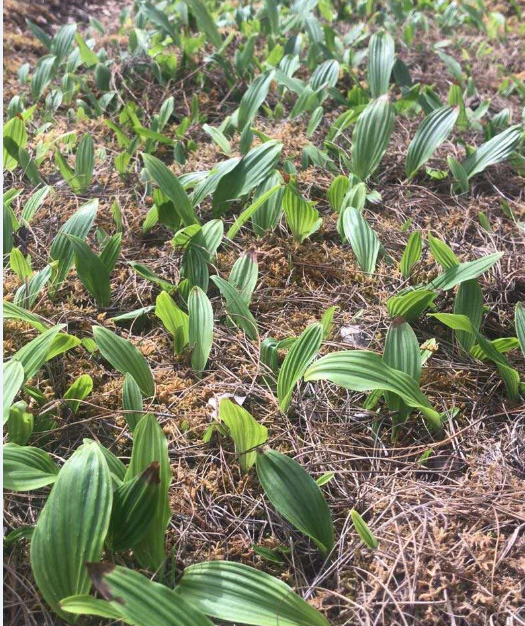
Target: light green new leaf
x=142, y=602
x=371, y=136
x=205, y=21
x=337, y=191
x=363, y=531
x=299, y=357
x=88, y=605
x=34, y=203
x=174, y=319
x=35, y=353
x=171, y=187
x=237, y=307
x=245, y=431
x=519, y=322
x=26, y=468
x=78, y=225
x=381, y=59
x=361, y=370
x=125, y=358
x=252, y=99
x=411, y=255
x=72, y=527
x=218, y=137
x=145, y=272
x=91, y=271
x=238, y=593
x=496, y=150
x=132, y=401
x=78, y=391
x=12, y=380
x=363, y=239
x=200, y=332
x=301, y=216
x=296, y=496
x=150, y=445
x=244, y=274
x=469, y=302
x=11, y=311
x=87, y=56
x=14, y=129
x=429, y=136
x=443, y=254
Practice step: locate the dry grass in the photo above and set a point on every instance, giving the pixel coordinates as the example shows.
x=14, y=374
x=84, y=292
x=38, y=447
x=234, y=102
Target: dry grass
x=452, y=546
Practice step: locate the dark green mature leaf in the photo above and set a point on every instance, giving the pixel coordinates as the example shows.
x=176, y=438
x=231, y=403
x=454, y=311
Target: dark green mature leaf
x=14, y=129
x=469, y=302
x=205, y=21
x=296, y=496
x=237, y=593
x=244, y=273
x=301, y=354
x=381, y=59
x=429, y=136
x=141, y=601
x=443, y=254
x=84, y=163
x=258, y=205
x=132, y=401
x=371, y=136
x=237, y=307
x=125, y=358
x=72, y=527
x=35, y=353
x=26, y=468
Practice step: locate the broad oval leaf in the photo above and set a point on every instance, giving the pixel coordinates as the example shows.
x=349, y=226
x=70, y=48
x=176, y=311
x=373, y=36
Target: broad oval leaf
x=244, y=274
x=410, y=305
x=26, y=468
x=296, y=496
x=301, y=216
x=174, y=319
x=125, y=358
x=411, y=255
x=381, y=59
x=363, y=239
x=72, y=527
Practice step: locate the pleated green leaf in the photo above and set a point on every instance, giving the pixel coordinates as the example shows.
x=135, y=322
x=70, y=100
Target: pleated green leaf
x=14, y=129
x=132, y=401
x=171, y=186
x=145, y=272
x=35, y=353
x=125, y=358
x=371, y=136
x=325, y=75
x=12, y=380
x=26, y=468
x=91, y=271
x=238, y=593
x=244, y=274
x=411, y=255
x=363, y=531
x=460, y=175
x=141, y=601
x=78, y=391
x=464, y=271
x=337, y=191
x=299, y=357
x=79, y=224
x=252, y=99
x=443, y=254
x=88, y=605
x=174, y=319
x=200, y=332
x=361, y=370
x=245, y=431
x=363, y=239
x=237, y=308
x=72, y=527
x=381, y=59
x=301, y=216
x=150, y=445
x=268, y=214
x=519, y=322
x=496, y=150
x=206, y=22
x=84, y=163
x=508, y=374
x=218, y=137
x=34, y=203
x=469, y=302
x=429, y=136
x=258, y=205
x=296, y=496
x=134, y=504
x=42, y=76
x=11, y=311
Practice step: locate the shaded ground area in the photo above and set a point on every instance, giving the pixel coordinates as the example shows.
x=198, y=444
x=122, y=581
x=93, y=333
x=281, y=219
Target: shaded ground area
x=452, y=547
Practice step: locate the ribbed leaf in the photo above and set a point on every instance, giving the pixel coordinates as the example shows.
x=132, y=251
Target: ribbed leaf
x=171, y=187
x=268, y=214
x=141, y=601
x=251, y=171
x=443, y=254
x=91, y=271
x=78, y=391
x=496, y=150
x=134, y=504
x=218, y=137
x=88, y=57
x=361, y=370
x=125, y=358
x=244, y=273
x=35, y=353
x=464, y=271
x=301, y=216
x=34, y=203
x=381, y=59
x=200, y=332
x=252, y=99
x=88, y=605
x=72, y=527
x=296, y=496
x=337, y=191
x=469, y=302
x=205, y=21
x=299, y=357
x=237, y=593
x=237, y=308
x=371, y=136
x=145, y=272
x=26, y=468
x=150, y=445
x=11, y=311
x=78, y=225
x=42, y=76
x=411, y=255
x=174, y=319
x=262, y=202
x=245, y=431
x=14, y=129
x=363, y=239
x=363, y=531
x=429, y=136
x=325, y=75
x=132, y=401
x=84, y=163
x=519, y=322
x=12, y=380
